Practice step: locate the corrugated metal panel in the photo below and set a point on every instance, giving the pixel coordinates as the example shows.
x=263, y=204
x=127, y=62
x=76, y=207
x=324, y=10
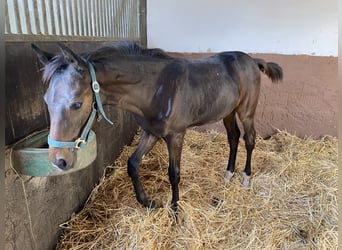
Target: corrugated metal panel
x=74, y=18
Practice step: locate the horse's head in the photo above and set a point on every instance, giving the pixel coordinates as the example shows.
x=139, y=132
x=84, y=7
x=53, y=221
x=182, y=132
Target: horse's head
x=69, y=99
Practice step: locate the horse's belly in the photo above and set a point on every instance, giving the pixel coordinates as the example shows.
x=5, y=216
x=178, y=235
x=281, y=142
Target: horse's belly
x=213, y=112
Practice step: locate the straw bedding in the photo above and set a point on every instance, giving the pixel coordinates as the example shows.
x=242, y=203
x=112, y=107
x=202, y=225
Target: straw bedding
x=291, y=203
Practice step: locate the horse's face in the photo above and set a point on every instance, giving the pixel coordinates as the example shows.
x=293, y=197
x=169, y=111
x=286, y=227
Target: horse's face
x=69, y=100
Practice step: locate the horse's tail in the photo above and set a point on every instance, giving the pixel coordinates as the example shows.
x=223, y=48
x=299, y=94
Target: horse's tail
x=272, y=70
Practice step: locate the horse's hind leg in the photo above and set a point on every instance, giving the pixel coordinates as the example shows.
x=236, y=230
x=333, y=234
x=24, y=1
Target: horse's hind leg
x=249, y=137
x=246, y=111
x=146, y=143
x=233, y=133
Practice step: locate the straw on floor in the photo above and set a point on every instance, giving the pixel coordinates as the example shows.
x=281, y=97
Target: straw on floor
x=291, y=203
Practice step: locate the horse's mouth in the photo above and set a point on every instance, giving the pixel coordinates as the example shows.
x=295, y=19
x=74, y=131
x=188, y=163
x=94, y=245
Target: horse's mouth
x=55, y=166
x=62, y=168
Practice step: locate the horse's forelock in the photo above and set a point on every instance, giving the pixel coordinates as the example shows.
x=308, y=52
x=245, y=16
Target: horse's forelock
x=56, y=65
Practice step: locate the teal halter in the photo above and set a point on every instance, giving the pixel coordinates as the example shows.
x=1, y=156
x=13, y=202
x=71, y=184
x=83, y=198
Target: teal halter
x=97, y=107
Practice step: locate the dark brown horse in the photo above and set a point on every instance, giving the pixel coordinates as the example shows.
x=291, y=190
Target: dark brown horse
x=165, y=94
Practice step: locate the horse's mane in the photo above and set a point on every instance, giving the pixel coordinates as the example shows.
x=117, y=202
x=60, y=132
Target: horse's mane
x=121, y=48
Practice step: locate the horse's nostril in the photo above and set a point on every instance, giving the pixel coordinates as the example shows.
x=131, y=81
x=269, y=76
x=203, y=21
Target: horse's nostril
x=62, y=164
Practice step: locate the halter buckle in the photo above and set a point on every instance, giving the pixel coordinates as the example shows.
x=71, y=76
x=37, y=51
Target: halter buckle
x=78, y=143
x=95, y=86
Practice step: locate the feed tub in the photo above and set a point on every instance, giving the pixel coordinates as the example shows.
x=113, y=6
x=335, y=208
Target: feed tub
x=30, y=156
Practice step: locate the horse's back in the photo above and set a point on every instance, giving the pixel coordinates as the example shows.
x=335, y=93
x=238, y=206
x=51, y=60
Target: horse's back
x=227, y=70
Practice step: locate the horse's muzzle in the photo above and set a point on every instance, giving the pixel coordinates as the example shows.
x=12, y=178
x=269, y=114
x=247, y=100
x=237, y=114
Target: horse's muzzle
x=62, y=159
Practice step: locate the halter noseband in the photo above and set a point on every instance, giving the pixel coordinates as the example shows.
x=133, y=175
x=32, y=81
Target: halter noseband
x=97, y=107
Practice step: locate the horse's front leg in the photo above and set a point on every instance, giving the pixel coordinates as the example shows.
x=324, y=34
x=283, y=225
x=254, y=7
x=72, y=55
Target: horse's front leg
x=146, y=143
x=174, y=145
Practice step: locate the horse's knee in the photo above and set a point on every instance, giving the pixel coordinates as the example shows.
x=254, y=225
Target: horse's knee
x=132, y=167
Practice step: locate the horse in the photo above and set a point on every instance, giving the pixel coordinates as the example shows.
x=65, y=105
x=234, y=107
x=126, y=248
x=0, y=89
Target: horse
x=165, y=94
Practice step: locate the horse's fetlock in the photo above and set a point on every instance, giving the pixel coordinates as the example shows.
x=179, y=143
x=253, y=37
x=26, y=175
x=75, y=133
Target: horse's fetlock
x=246, y=179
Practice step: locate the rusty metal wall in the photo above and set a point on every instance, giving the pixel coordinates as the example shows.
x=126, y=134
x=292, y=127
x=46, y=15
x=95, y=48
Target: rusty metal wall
x=75, y=19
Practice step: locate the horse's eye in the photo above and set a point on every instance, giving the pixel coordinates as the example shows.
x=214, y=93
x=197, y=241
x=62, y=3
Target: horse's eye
x=76, y=105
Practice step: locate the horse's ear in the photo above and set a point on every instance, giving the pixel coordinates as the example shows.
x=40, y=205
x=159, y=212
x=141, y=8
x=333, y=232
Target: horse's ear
x=44, y=57
x=71, y=57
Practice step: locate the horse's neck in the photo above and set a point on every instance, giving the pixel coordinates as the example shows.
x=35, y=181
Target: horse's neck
x=129, y=85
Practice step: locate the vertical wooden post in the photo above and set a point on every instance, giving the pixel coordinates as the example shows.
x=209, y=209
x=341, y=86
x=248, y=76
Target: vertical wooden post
x=143, y=22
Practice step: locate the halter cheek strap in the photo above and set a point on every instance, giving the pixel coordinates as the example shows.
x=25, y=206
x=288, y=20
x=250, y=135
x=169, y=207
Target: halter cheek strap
x=97, y=107
x=96, y=89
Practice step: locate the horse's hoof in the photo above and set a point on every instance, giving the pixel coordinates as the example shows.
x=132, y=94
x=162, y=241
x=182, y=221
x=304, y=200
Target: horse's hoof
x=149, y=204
x=228, y=176
x=174, y=213
x=245, y=181
x=152, y=204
